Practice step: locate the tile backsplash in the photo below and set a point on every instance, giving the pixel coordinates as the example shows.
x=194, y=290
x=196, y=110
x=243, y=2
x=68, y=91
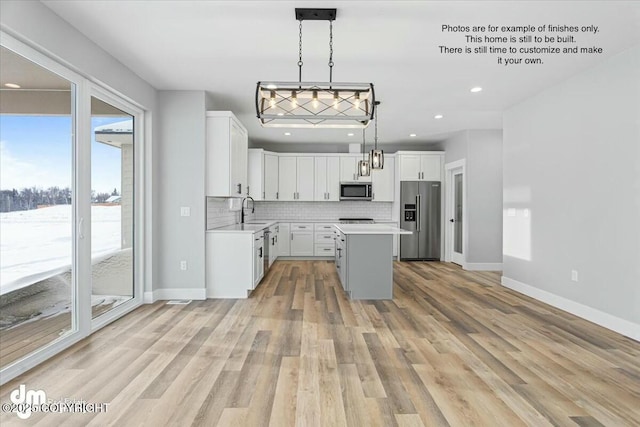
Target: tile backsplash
x=219, y=214
x=323, y=210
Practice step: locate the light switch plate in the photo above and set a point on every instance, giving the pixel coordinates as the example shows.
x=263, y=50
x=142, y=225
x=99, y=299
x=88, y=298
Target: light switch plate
x=574, y=275
x=185, y=211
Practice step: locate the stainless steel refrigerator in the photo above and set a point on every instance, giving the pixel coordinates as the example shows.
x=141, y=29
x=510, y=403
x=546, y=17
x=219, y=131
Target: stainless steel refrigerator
x=420, y=212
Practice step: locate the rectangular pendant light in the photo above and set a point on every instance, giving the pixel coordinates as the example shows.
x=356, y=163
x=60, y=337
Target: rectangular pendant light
x=315, y=105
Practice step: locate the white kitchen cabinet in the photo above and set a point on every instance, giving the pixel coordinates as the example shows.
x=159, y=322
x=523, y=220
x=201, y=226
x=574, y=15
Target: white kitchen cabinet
x=295, y=178
x=327, y=179
x=302, y=239
x=284, y=239
x=420, y=167
x=349, y=169
x=270, y=176
x=230, y=264
x=262, y=175
x=258, y=258
x=273, y=244
x=383, y=181
x=226, y=154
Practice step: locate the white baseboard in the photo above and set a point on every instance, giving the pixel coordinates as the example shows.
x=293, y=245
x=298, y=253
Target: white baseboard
x=482, y=266
x=606, y=320
x=175, y=293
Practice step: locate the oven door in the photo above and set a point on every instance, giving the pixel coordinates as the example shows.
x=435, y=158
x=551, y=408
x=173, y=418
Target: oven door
x=355, y=191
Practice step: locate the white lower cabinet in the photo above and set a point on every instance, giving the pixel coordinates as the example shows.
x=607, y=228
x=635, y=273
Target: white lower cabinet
x=324, y=238
x=301, y=239
x=258, y=258
x=273, y=243
x=284, y=239
x=231, y=264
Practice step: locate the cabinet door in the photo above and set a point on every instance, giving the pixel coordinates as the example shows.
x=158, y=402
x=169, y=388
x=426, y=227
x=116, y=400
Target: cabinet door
x=383, y=181
x=320, y=185
x=333, y=179
x=255, y=167
x=284, y=239
x=258, y=265
x=287, y=177
x=270, y=177
x=302, y=243
x=239, y=144
x=348, y=169
x=410, y=167
x=305, y=178
x=431, y=167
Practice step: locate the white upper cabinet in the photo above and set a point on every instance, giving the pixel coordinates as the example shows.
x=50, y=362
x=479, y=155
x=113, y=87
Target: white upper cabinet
x=295, y=178
x=383, y=181
x=262, y=175
x=270, y=176
x=327, y=179
x=420, y=167
x=287, y=171
x=255, y=171
x=305, y=178
x=226, y=155
x=349, y=169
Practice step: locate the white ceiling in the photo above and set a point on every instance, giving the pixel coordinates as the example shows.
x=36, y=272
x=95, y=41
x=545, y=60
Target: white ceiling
x=225, y=47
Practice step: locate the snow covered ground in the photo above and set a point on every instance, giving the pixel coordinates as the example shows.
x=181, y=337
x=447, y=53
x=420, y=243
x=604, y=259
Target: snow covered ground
x=36, y=244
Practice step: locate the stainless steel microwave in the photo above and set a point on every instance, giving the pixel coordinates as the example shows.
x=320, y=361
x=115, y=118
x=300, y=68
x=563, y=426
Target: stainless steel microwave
x=355, y=191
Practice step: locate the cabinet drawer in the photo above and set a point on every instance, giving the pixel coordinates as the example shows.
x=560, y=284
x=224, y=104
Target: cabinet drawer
x=324, y=250
x=323, y=227
x=301, y=226
x=325, y=238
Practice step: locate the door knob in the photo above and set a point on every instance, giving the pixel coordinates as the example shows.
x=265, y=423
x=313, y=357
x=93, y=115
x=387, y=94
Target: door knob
x=452, y=220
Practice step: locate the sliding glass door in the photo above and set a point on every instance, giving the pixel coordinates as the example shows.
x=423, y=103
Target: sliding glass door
x=70, y=179
x=37, y=200
x=112, y=206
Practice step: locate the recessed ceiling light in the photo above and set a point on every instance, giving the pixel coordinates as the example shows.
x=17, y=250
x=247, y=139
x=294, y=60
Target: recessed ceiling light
x=350, y=134
x=12, y=85
x=281, y=114
x=438, y=116
x=476, y=89
x=412, y=135
x=287, y=133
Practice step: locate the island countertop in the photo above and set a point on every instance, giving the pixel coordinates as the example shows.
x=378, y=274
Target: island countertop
x=370, y=229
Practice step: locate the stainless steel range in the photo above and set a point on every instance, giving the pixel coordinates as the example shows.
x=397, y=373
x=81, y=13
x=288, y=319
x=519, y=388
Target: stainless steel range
x=356, y=220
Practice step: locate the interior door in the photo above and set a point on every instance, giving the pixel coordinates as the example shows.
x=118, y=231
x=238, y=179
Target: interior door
x=455, y=215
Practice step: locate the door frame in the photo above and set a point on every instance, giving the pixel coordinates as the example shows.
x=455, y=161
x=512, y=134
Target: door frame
x=137, y=114
x=452, y=169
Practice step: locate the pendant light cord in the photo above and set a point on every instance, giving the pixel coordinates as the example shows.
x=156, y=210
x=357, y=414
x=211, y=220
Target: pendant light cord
x=330, y=51
x=376, y=124
x=300, y=52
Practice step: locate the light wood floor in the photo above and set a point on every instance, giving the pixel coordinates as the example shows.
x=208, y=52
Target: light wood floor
x=452, y=348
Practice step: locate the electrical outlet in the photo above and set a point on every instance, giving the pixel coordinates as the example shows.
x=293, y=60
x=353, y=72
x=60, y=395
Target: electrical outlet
x=574, y=275
x=185, y=211
x=183, y=265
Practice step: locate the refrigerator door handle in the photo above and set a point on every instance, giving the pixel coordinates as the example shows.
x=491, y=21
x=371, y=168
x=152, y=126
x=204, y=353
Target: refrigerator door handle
x=418, y=213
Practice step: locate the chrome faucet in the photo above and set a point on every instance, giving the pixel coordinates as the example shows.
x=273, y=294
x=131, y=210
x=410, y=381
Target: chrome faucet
x=253, y=208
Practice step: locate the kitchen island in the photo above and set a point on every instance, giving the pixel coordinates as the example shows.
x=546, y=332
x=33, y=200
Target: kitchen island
x=364, y=259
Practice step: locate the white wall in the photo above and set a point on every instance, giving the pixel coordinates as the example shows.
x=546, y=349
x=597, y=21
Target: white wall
x=572, y=194
x=482, y=150
x=180, y=183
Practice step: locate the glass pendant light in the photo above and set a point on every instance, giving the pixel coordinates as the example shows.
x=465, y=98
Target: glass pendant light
x=376, y=157
x=363, y=165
